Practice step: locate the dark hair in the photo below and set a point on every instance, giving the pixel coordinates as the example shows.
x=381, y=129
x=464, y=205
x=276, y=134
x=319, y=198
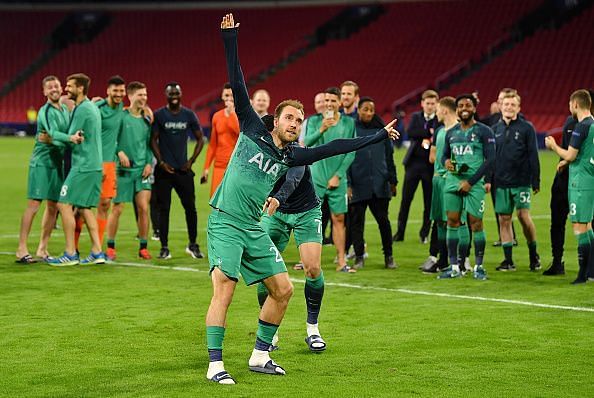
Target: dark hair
x=333, y=91
x=81, y=79
x=365, y=99
x=466, y=96
x=116, y=80
x=134, y=86
x=227, y=86
x=583, y=99
x=173, y=84
x=48, y=78
x=268, y=121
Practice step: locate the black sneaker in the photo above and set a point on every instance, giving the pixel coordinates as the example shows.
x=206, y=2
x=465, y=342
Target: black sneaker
x=164, y=254
x=433, y=269
x=359, y=262
x=506, y=267
x=555, y=269
x=398, y=237
x=194, y=251
x=389, y=262
x=535, y=264
x=579, y=281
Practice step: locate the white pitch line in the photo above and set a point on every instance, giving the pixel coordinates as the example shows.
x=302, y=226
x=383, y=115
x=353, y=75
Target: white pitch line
x=376, y=288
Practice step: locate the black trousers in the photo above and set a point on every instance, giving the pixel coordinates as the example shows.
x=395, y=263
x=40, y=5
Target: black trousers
x=415, y=174
x=183, y=184
x=379, y=209
x=155, y=211
x=559, y=212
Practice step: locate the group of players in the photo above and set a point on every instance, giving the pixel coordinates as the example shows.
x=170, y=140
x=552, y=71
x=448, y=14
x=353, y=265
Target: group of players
x=244, y=243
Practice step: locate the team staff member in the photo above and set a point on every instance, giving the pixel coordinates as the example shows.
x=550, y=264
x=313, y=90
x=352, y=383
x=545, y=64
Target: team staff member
x=517, y=169
x=169, y=142
x=224, y=135
x=417, y=166
x=45, y=172
x=372, y=183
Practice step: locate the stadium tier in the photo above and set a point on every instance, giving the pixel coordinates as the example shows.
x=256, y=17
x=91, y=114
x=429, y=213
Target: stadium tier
x=545, y=69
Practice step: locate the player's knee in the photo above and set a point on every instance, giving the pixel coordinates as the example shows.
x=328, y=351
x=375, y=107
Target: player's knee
x=283, y=292
x=312, y=270
x=338, y=218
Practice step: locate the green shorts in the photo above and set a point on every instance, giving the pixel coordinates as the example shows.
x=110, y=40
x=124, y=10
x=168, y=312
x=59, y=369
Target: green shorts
x=306, y=226
x=129, y=183
x=437, y=199
x=581, y=205
x=506, y=199
x=239, y=248
x=337, y=198
x=82, y=188
x=472, y=203
x=44, y=183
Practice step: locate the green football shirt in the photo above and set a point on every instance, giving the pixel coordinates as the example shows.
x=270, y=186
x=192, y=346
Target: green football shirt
x=111, y=118
x=133, y=138
x=49, y=119
x=581, y=170
x=439, y=143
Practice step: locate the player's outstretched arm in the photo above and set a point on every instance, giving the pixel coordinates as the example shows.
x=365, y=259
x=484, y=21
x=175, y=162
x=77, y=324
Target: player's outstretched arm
x=249, y=120
x=301, y=156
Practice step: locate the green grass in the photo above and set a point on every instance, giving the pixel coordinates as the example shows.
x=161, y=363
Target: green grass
x=120, y=330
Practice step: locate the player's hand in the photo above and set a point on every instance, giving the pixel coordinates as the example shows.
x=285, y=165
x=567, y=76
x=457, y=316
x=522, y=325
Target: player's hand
x=562, y=165
x=393, y=134
x=77, y=138
x=464, y=186
x=166, y=167
x=535, y=191
x=393, y=189
x=326, y=124
x=333, y=183
x=270, y=205
x=148, y=113
x=44, y=138
x=228, y=22
x=148, y=169
x=550, y=142
x=124, y=161
x=449, y=165
x=349, y=193
x=188, y=165
x=204, y=177
x=488, y=187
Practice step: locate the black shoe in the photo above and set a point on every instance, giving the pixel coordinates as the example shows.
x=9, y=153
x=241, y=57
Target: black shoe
x=359, y=262
x=194, y=251
x=579, y=281
x=424, y=240
x=433, y=269
x=555, y=269
x=506, y=267
x=398, y=237
x=164, y=254
x=389, y=262
x=535, y=264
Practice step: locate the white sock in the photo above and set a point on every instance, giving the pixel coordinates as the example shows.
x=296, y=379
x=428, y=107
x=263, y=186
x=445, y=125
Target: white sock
x=312, y=329
x=275, y=338
x=214, y=368
x=259, y=358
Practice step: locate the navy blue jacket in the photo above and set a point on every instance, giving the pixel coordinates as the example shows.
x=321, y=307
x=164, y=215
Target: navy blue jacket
x=372, y=171
x=516, y=149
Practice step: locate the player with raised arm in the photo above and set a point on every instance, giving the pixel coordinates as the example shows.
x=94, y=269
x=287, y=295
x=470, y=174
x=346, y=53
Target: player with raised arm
x=580, y=157
x=469, y=153
x=237, y=244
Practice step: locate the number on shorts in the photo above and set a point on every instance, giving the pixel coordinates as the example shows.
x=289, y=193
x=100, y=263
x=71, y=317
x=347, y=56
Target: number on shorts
x=278, y=258
x=319, y=222
x=482, y=208
x=524, y=197
x=64, y=190
x=572, y=209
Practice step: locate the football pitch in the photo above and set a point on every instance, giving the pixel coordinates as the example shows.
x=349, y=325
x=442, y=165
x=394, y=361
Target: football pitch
x=136, y=328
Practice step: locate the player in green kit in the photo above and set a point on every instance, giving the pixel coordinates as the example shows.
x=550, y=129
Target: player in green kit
x=469, y=153
x=329, y=175
x=580, y=156
x=135, y=160
x=237, y=244
x=446, y=114
x=82, y=187
x=45, y=172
